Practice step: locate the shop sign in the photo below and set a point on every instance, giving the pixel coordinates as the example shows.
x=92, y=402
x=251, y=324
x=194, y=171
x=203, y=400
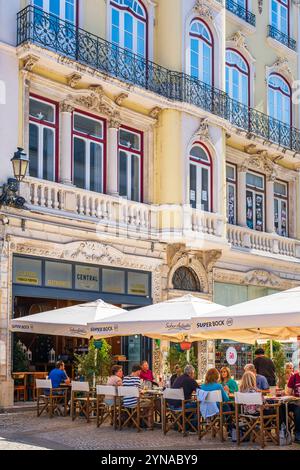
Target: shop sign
x=86, y=278
x=231, y=356
x=58, y=275
x=27, y=271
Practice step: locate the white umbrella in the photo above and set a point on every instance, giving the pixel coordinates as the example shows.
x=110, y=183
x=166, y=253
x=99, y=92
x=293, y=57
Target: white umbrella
x=166, y=320
x=276, y=316
x=69, y=321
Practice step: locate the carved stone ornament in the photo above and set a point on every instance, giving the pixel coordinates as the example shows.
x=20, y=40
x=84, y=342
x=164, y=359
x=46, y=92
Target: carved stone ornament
x=281, y=66
x=203, y=131
x=239, y=40
x=74, y=79
x=154, y=113
x=253, y=277
x=66, y=107
x=121, y=98
x=259, y=160
x=29, y=62
x=94, y=99
x=203, y=9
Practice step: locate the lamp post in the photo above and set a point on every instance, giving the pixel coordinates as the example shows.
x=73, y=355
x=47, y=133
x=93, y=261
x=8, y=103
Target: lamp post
x=9, y=196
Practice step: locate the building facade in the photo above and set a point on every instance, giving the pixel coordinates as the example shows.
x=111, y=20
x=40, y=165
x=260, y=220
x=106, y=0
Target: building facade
x=164, y=156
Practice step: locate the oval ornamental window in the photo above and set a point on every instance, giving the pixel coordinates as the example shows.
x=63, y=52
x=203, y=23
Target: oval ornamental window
x=185, y=279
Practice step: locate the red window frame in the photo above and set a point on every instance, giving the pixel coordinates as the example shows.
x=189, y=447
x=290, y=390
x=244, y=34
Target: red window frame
x=211, y=44
x=94, y=139
x=209, y=165
x=240, y=70
x=49, y=124
x=281, y=91
x=145, y=20
x=138, y=152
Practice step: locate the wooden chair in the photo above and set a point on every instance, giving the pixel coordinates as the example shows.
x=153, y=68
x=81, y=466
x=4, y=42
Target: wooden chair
x=105, y=409
x=82, y=401
x=32, y=384
x=20, y=386
x=177, y=417
x=132, y=416
x=50, y=399
x=260, y=426
x=215, y=424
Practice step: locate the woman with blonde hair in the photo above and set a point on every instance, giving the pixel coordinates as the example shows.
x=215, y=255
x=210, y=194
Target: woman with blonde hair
x=248, y=385
x=288, y=371
x=229, y=385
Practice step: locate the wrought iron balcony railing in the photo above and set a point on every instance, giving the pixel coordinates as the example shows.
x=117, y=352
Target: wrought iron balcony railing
x=241, y=12
x=282, y=37
x=56, y=35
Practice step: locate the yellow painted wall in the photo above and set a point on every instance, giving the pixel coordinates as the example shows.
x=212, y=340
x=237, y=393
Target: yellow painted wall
x=169, y=34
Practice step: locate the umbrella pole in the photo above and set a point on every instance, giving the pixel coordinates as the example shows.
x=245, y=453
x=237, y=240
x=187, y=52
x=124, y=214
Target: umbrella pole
x=188, y=356
x=271, y=349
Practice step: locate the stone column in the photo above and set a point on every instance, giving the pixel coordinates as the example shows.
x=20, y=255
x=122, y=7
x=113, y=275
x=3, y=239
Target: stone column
x=206, y=357
x=269, y=217
x=112, y=186
x=65, y=169
x=241, y=197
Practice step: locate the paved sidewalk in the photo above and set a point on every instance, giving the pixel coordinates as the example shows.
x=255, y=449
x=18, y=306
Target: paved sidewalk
x=23, y=430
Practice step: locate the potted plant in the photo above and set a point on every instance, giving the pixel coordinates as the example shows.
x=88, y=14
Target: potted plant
x=95, y=365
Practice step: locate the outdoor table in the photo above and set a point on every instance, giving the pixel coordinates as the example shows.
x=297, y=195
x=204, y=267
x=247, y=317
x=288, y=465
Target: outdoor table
x=28, y=381
x=284, y=401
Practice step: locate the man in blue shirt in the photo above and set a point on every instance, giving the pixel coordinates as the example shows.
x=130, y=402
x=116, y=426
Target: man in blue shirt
x=58, y=375
x=261, y=381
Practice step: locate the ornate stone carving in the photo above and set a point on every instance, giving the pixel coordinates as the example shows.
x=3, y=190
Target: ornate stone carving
x=254, y=277
x=261, y=278
x=259, y=160
x=94, y=99
x=202, y=9
x=203, y=131
x=66, y=107
x=114, y=123
x=74, y=79
x=281, y=66
x=239, y=40
x=29, y=62
x=121, y=98
x=154, y=113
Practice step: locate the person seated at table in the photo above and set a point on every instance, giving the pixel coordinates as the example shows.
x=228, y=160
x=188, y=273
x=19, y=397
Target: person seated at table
x=229, y=384
x=248, y=385
x=212, y=383
x=146, y=374
x=134, y=380
x=288, y=371
x=188, y=383
x=293, y=389
x=261, y=381
x=177, y=372
x=58, y=375
x=116, y=376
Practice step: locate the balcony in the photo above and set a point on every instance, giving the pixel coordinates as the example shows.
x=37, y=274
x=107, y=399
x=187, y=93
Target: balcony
x=241, y=12
x=262, y=242
x=287, y=41
x=47, y=31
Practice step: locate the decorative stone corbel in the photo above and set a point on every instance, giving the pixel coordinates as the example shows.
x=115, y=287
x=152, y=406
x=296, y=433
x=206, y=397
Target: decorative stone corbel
x=121, y=98
x=74, y=79
x=154, y=113
x=29, y=62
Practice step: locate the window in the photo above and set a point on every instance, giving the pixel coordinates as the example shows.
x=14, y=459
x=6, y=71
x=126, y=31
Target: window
x=237, y=77
x=279, y=99
x=89, y=151
x=64, y=9
x=231, y=193
x=280, y=15
x=255, y=201
x=43, y=148
x=129, y=25
x=281, y=208
x=200, y=178
x=201, y=48
x=130, y=164
x=186, y=279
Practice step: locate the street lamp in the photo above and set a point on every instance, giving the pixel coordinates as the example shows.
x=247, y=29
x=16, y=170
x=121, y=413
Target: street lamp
x=9, y=196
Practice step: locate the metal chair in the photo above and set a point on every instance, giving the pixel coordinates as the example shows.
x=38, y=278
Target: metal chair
x=180, y=417
x=50, y=399
x=104, y=408
x=259, y=425
x=214, y=424
x=82, y=402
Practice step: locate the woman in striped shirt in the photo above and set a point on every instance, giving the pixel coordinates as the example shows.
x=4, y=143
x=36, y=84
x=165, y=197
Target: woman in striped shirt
x=133, y=380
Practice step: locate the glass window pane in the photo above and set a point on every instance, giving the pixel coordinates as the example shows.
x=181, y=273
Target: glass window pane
x=113, y=281
x=58, y=275
x=38, y=3
x=230, y=172
x=193, y=186
x=54, y=7
x=33, y=150
x=205, y=190
x=123, y=174
x=280, y=188
x=249, y=209
x=259, y=212
x=48, y=154
x=90, y=127
x=135, y=178
x=87, y=278
x=255, y=180
x=41, y=111
x=96, y=167
x=27, y=271
x=79, y=163
x=129, y=139
x=231, y=204
x=70, y=11
x=138, y=284
x=199, y=154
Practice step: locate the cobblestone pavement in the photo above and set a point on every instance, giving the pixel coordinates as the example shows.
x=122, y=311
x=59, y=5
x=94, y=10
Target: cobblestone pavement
x=23, y=430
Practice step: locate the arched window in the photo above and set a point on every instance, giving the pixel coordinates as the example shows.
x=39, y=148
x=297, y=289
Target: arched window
x=237, y=77
x=280, y=16
x=200, y=178
x=201, y=47
x=279, y=99
x=129, y=25
x=185, y=279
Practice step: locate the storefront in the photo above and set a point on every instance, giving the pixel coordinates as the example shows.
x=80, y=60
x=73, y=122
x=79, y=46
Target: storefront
x=41, y=284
